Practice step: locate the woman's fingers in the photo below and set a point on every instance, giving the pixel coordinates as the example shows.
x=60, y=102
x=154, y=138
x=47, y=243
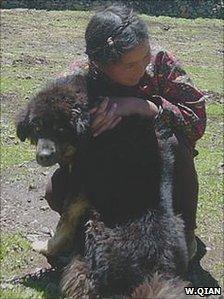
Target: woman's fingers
x=104, y=120
x=107, y=126
x=97, y=121
x=112, y=110
x=99, y=112
x=115, y=122
x=93, y=110
x=103, y=106
x=104, y=117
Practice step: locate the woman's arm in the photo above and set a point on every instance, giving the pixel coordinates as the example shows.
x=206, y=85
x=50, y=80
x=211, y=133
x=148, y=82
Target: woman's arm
x=174, y=102
x=182, y=106
x=111, y=110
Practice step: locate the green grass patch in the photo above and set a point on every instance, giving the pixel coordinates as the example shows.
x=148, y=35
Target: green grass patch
x=210, y=153
x=14, y=257
x=215, y=111
x=17, y=154
x=13, y=152
x=206, y=78
x=212, y=141
x=21, y=293
x=205, y=22
x=208, y=165
x=18, y=85
x=13, y=253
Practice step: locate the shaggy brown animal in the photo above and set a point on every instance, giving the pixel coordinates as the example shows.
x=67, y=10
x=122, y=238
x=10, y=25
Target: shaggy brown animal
x=157, y=287
x=118, y=259
x=55, y=120
x=123, y=258
x=52, y=120
x=120, y=172
x=160, y=288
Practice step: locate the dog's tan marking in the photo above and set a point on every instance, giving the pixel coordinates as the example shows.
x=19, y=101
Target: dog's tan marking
x=65, y=230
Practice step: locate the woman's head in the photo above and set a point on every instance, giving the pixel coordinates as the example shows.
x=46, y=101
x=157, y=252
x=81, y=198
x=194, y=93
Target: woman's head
x=117, y=42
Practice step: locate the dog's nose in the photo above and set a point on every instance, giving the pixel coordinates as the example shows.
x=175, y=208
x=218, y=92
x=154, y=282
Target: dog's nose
x=44, y=157
x=46, y=152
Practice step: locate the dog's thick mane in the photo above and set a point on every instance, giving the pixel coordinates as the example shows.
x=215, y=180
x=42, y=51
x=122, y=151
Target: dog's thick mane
x=120, y=174
x=118, y=259
x=63, y=100
x=62, y=95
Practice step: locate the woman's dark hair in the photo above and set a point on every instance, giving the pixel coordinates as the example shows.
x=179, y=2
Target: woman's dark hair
x=112, y=32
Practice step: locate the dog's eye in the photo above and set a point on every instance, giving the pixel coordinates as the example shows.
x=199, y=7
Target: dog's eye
x=56, y=128
x=37, y=128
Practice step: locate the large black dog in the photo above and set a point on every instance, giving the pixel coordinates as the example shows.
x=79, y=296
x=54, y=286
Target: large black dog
x=123, y=176
x=119, y=259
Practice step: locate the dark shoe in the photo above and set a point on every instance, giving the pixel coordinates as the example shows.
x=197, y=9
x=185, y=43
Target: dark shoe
x=198, y=276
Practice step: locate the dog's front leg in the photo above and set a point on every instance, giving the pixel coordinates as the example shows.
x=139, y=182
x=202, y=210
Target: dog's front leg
x=65, y=230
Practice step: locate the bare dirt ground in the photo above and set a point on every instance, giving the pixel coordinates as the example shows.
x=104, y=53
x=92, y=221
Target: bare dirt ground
x=24, y=208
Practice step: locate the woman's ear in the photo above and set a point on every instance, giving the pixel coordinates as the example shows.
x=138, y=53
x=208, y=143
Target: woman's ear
x=22, y=124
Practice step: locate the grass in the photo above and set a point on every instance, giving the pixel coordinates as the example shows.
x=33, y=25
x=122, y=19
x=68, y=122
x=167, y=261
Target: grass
x=15, y=257
x=206, y=77
x=20, y=293
x=17, y=85
x=40, y=44
x=15, y=155
x=208, y=163
x=13, y=254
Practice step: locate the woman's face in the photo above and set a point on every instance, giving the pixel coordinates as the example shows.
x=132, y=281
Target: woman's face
x=131, y=67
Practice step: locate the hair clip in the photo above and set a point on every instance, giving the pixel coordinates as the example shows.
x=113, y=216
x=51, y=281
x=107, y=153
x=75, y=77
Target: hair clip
x=110, y=41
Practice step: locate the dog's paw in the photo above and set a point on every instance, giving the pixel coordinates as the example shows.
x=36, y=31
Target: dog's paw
x=40, y=247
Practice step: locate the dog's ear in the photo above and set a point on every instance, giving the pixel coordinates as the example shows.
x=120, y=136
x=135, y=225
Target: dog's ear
x=22, y=124
x=76, y=82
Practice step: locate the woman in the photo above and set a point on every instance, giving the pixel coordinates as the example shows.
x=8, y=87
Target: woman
x=136, y=80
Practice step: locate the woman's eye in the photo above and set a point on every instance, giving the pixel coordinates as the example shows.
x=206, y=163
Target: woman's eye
x=130, y=66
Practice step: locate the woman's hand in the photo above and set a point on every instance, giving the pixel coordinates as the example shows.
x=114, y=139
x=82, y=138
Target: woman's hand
x=110, y=112
x=104, y=117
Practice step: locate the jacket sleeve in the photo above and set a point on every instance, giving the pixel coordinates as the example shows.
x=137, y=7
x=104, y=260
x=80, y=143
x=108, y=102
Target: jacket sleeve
x=181, y=105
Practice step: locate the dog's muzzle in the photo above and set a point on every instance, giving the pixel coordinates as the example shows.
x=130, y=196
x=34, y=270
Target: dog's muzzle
x=47, y=154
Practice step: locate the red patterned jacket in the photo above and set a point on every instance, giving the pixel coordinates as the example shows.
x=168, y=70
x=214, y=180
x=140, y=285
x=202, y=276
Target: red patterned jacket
x=181, y=105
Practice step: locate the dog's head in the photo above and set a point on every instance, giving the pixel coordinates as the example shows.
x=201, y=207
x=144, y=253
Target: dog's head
x=55, y=120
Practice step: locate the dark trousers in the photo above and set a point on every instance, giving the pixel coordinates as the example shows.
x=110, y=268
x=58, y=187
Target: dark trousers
x=185, y=197
x=185, y=185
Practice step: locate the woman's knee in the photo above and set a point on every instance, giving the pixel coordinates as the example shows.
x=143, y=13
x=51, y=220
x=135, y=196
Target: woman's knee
x=185, y=183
